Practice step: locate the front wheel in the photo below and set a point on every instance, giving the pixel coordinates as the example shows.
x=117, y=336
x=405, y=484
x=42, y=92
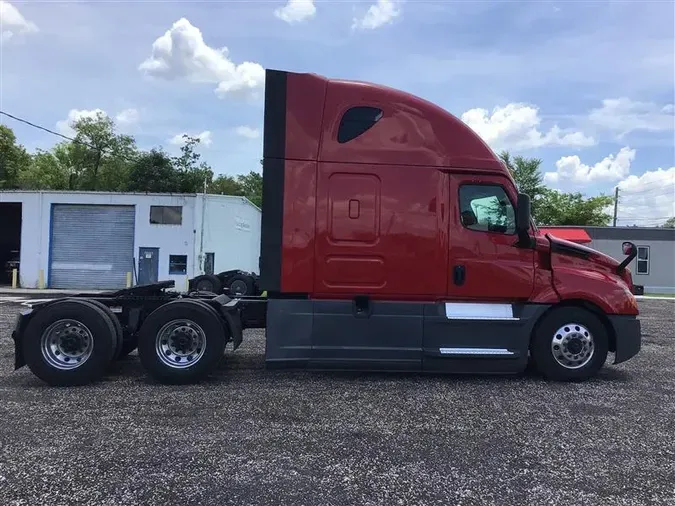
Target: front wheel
x=570, y=343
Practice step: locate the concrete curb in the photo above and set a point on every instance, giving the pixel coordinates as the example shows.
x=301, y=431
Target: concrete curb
x=655, y=297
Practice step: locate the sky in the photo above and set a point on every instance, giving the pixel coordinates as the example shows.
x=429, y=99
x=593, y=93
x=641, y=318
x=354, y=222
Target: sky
x=586, y=86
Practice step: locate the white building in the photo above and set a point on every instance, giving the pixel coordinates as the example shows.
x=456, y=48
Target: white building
x=93, y=240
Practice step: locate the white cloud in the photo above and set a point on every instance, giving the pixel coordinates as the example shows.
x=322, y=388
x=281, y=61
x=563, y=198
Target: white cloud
x=379, y=14
x=247, y=131
x=648, y=199
x=12, y=22
x=181, y=53
x=204, y=138
x=127, y=116
x=610, y=168
x=74, y=115
x=516, y=126
x=296, y=11
x=623, y=115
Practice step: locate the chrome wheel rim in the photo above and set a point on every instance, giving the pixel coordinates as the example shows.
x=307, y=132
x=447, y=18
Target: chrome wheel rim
x=66, y=344
x=180, y=343
x=573, y=346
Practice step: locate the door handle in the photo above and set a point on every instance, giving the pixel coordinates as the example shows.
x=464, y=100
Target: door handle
x=459, y=275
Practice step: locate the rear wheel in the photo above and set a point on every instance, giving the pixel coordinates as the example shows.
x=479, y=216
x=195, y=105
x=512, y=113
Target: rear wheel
x=570, y=343
x=182, y=342
x=70, y=342
x=240, y=284
x=207, y=283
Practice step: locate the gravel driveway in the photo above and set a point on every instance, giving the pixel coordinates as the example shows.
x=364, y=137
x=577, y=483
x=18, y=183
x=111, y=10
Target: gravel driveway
x=252, y=436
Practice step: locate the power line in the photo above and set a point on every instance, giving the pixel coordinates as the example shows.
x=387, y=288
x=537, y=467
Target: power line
x=45, y=129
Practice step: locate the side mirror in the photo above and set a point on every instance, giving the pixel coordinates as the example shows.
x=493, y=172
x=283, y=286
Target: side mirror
x=523, y=214
x=630, y=250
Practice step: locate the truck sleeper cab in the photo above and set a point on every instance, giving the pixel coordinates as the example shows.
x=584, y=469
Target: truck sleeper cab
x=393, y=238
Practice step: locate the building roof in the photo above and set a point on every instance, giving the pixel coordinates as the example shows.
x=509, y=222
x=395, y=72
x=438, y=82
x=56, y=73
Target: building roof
x=622, y=233
x=578, y=235
x=136, y=194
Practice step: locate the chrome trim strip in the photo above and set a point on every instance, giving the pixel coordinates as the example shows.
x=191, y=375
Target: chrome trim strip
x=475, y=351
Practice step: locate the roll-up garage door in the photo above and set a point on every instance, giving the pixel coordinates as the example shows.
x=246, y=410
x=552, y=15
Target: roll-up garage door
x=91, y=246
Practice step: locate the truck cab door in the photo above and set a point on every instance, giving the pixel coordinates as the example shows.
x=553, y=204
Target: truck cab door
x=485, y=261
x=483, y=324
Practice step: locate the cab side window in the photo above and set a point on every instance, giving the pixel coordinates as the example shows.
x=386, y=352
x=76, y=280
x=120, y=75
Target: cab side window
x=356, y=121
x=486, y=208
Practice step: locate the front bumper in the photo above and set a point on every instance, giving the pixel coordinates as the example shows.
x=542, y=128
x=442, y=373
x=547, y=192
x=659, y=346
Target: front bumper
x=628, y=336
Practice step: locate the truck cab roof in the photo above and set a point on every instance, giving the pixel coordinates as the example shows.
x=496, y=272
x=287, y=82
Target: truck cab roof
x=312, y=117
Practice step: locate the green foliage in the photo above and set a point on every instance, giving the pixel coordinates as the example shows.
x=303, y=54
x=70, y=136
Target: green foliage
x=670, y=223
x=528, y=178
x=153, y=172
x=559, y=208
x=192, y=176
x=552, y=207
x=13, y=158
x=251, y=185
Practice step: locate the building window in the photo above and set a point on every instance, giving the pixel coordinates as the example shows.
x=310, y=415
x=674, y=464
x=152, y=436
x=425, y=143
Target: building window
x=356, y=121
x=642, y=260
x=166, y=215
x=486, y=208
x=177, y=264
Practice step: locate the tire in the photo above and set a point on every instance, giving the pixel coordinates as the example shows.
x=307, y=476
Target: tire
x=119, y=335
x=61, y=368
x=189, y=352
x=562, y=333
x=206, y=283
x=240, y=284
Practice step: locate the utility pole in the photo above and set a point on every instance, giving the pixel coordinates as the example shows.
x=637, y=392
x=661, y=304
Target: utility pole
x=616, y=203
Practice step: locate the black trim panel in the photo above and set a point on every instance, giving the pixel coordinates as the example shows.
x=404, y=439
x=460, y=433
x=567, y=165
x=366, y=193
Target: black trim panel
x=395, y=336
x=274, y=152
x=568, y=249
x=274, y=133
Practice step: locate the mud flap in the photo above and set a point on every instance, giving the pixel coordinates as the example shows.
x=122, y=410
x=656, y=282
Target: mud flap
x=230, y=311
x=18, y=335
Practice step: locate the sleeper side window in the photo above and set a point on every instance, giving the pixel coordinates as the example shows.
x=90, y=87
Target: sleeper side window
x=356, y=121
x=486, y=208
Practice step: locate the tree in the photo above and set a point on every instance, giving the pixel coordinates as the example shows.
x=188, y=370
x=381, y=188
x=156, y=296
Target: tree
x=13, y=159
x=528, y=178
x=225, y=185
x=153, y=172
x=558, y=208
x=670, y=223
x=251, y=186
x=101, y=157
x=49, y=170
x=192, y=175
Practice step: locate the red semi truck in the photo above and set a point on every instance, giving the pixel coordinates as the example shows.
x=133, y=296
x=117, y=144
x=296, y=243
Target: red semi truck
x=392, y=238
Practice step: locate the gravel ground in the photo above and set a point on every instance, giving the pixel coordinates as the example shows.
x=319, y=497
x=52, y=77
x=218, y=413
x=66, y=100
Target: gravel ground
x=251, y=436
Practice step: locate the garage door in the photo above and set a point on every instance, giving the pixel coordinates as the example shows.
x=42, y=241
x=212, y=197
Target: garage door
x=91, y=246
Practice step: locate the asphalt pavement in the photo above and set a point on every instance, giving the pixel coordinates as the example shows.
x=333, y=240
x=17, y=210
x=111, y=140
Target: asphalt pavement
x=251, y=436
